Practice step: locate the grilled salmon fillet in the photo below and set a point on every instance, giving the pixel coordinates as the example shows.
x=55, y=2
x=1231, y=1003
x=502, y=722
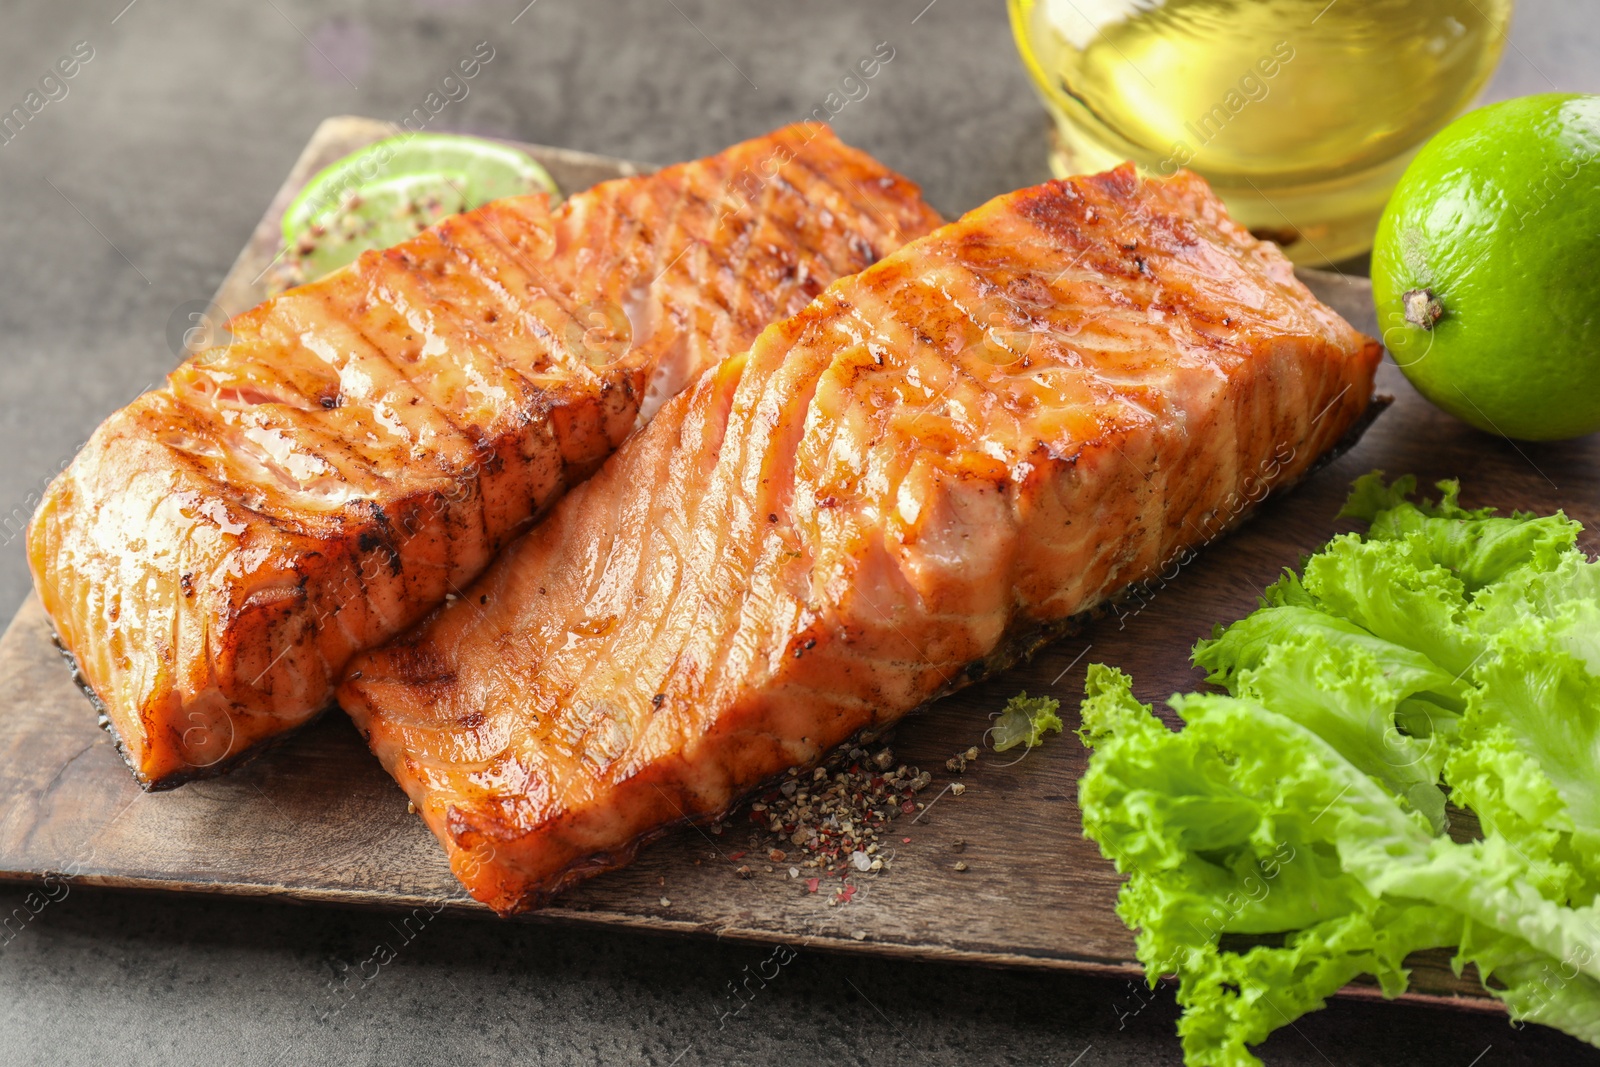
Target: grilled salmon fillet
x=990, y=431
x=222, y=546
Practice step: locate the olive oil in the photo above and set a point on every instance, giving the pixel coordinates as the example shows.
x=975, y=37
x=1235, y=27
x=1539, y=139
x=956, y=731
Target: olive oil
x=1301, y=113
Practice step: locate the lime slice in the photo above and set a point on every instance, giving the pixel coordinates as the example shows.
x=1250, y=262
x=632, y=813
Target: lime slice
x=394, y=189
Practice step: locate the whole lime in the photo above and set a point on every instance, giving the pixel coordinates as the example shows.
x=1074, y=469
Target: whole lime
x=1485, y=271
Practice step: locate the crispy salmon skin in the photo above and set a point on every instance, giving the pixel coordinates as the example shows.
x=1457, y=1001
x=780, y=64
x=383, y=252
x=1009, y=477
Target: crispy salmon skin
x=222, y=546
x=993, y=429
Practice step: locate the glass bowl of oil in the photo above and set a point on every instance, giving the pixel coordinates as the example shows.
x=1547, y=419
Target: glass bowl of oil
x=1302, y=114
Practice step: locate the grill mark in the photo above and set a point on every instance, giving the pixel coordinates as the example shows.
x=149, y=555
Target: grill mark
x=781, y=243
x=493, y=298
x=555, y=350
x=642, y=555
x=614, y=229
x=300, y=424
x=783, y=441
x=486, y=221
x=696, y=492
x=733, y=258
x=583, y=218
x=404, y=371
x=843, y=254
x=787, y=255
x=673, y=234
x=676, y=366
x=722, y=299
x=829, y=429
x=202, y=467
x=710, y=430
x=278, y=386
x=303, y=435
x=877, y=306
x=683, y=613
x=445, y=515
x=826, y=179
x=503, y=445
x=669, y=231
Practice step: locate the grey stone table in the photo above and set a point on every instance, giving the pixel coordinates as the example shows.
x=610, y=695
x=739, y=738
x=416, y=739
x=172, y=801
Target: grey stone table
x=130, y=195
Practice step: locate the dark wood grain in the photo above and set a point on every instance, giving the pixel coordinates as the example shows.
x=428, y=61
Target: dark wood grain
x=316, y=819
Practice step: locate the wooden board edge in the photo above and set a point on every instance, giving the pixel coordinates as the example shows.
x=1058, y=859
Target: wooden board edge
x=732, y=932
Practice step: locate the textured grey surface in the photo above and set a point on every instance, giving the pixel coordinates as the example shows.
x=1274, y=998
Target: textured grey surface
x=169, y=143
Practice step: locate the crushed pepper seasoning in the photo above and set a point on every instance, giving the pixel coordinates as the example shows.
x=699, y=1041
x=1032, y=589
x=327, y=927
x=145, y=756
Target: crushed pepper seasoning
x=830, y=818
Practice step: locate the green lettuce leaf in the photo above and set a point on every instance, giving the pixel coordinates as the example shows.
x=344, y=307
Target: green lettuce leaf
x=1242, y=646
x=1231, y=827
x=1024, y=721
x=1535, y=987
x=1288, y=837
x=1478, y=547
x=1393, y=590
x=1340, y=692
x=1526, y=760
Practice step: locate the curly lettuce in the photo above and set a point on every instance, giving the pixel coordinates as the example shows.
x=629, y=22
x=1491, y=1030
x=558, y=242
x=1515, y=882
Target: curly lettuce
x=1293, y=834
x=1025, y=720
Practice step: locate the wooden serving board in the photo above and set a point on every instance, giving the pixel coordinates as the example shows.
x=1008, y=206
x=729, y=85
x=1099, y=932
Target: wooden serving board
x=316, y=819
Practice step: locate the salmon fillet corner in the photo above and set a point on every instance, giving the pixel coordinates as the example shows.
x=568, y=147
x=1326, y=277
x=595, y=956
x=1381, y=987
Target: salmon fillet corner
x=992, y=430
x=221, y=546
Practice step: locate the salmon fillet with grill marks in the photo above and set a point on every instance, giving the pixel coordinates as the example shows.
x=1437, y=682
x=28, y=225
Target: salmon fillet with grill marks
x=224, y=544
x=992, y=430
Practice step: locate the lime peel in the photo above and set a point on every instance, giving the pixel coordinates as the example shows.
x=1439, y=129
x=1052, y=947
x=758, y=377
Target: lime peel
x=389, y=191
x=1482, y=270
